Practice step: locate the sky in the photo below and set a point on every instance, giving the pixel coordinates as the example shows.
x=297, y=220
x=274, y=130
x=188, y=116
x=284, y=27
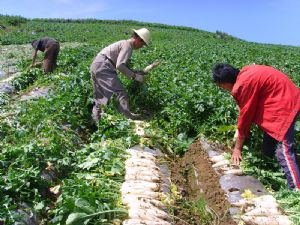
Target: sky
x=262, y=21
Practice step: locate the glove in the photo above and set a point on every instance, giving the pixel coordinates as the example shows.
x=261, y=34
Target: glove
x=139, y=78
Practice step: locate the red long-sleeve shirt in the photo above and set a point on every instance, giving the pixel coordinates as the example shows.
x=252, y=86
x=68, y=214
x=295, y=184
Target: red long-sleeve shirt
x=266, y=97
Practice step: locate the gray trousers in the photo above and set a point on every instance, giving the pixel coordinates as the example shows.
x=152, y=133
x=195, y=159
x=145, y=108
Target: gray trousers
x=105, y=84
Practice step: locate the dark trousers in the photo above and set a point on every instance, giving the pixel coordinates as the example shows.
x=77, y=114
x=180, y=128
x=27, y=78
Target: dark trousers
x=286, y=156
x=50, y=57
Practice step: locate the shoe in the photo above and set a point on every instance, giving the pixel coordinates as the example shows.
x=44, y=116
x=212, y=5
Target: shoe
x=96, y=113
x=134, y=116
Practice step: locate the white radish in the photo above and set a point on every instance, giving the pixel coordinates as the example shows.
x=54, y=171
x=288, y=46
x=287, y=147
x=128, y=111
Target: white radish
x=154, y=202
x=145, y=150
x=236, y=134
x=139, y=158
x=131, y=197
x=221, y=163
x=145, y=222
x=142, y=205
x=263, y=212
x=139, y=162
x=153, y=151
x=225, y=168
x=265, y=201
x=144, y=172
x=146, y=155
x=242, y=202
x=217, y=158
x=150, y=178
x=149, y=214
x=140, y=192
x=142, y=167
x=264, y=198
x=237, y=172
x=55, y=190
x=136, y=169
x=147, y=185
x=137, y=189
x=151, y=66
x=128, y=199
x=267, y=220
x=140, y=131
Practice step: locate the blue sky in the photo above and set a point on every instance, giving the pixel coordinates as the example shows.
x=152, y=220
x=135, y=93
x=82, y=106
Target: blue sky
x=264, y=21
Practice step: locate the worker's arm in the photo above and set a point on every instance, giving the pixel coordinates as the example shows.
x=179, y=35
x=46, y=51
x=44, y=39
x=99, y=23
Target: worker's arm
x=126, y=71
x=138, y=76
x=121, y=64
x=237, y=150
x=34, y=57
x=246, y=96
x=247, y=99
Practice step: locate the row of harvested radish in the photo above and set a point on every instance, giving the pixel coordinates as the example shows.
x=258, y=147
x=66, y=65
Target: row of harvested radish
x=224, y=165
x=262, y=210
x=141, y=191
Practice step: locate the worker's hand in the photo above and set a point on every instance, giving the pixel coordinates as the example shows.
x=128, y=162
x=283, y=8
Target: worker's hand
x=236, y=156
x=139, y=78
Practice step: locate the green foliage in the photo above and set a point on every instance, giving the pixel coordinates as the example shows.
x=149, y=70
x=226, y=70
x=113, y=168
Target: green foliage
x=290, y=202
x=265, y=169
x=12, y=20
x=89, y=167
x=4, y=98
x=25, y=79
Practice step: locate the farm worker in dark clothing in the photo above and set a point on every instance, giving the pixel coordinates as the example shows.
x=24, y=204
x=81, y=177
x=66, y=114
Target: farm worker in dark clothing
x=50, y=47
x=270, y=99
x=104, y=73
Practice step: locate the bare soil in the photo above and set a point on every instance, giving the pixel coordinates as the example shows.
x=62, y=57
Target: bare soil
x=196, y=179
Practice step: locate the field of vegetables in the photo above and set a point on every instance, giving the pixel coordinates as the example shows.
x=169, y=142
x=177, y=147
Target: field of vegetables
x=56, y=169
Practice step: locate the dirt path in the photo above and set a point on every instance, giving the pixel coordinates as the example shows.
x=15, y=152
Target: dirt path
x=196, y=179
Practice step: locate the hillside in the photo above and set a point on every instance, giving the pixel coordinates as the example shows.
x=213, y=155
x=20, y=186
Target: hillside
x=55, y=133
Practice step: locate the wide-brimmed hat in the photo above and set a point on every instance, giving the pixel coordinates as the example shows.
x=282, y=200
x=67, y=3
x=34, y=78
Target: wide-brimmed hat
x=144, y=34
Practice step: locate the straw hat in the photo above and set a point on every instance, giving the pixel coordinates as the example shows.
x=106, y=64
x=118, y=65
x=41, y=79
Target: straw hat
x=144, y=34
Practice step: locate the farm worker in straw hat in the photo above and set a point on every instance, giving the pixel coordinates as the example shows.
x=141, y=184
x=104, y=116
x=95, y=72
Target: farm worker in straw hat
x=270, y=99
x=50, y=47
x=104, y=72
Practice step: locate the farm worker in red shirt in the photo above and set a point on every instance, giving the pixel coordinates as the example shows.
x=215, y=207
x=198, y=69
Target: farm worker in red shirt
x=270, y=99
